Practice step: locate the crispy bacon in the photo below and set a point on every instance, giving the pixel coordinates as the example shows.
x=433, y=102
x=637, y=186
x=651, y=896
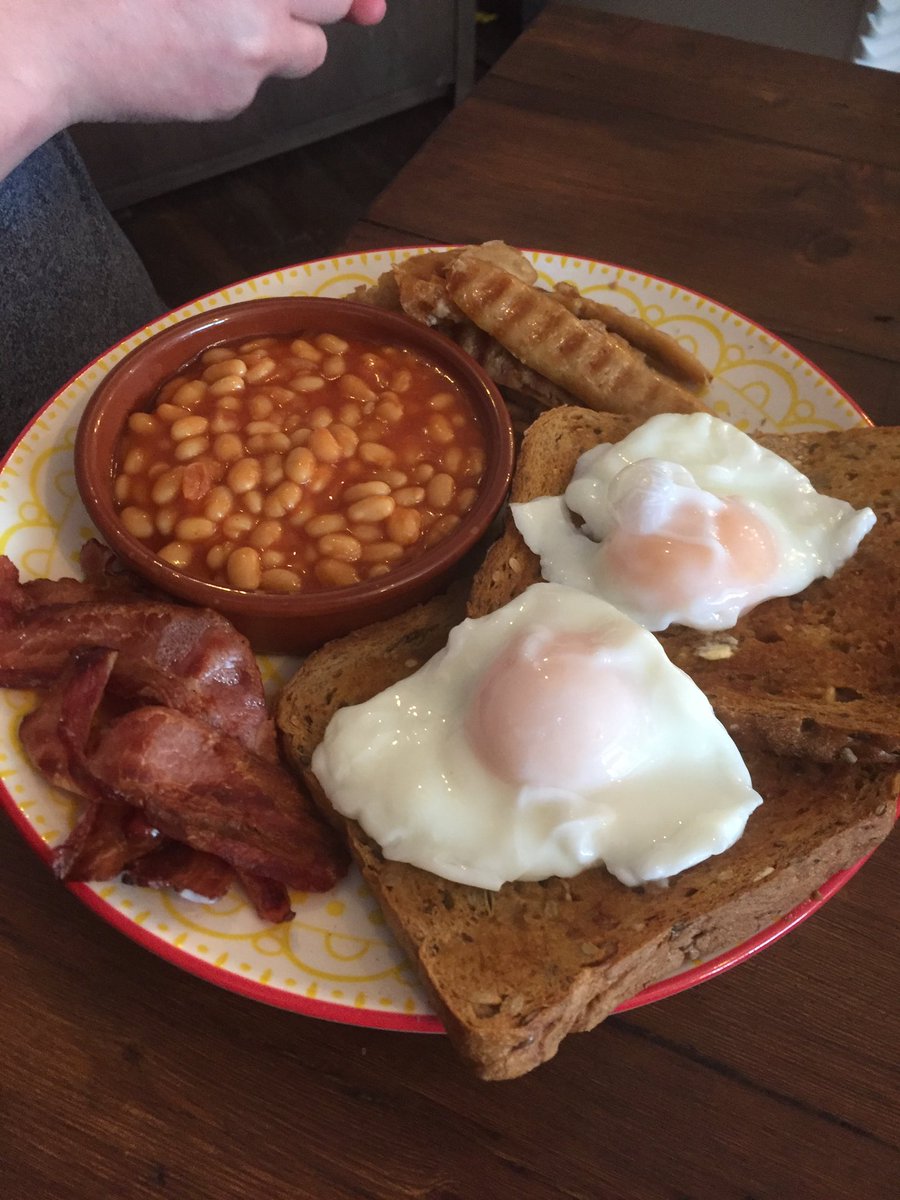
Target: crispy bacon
x=155, y=714
x=195, y=785
x=88, y=672
x=39, y=734
x=105, y=572
x=17, y=598
x=189, y=659
x=268, y=897
x=204, y=788
x=104, y=579
x=105, y=839
x=183, y=869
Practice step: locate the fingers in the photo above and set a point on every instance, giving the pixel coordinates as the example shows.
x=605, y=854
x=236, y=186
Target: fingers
x=306, y=45
x=326, y=12
x=195, y=60
x=303, y=52
x=319, y=12
x=367, y=12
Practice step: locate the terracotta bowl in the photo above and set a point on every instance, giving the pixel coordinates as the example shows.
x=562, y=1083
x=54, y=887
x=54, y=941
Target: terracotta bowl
x=294, y=623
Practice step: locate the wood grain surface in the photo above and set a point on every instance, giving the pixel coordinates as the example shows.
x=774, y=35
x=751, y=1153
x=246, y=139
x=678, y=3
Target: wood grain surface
x=770, y=181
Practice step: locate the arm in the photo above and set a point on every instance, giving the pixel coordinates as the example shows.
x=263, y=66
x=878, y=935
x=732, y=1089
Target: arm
x=106, y=60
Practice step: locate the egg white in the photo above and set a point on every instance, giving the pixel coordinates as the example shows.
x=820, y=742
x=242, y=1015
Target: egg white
x=814, y=534
x=402, y=765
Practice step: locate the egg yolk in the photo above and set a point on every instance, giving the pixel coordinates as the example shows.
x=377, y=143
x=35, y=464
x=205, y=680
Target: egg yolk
x=553, y=710
x=698, y=554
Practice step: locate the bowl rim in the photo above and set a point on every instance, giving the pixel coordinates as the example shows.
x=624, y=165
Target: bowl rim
x=488, y=404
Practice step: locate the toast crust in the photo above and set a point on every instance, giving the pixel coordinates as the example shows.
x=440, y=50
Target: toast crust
x=815, y=675
x=512, y=973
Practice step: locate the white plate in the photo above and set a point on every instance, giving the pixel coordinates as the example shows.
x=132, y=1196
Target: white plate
x=336, y=959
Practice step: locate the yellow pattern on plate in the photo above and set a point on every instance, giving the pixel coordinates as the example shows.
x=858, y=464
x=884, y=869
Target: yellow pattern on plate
x=338, y=939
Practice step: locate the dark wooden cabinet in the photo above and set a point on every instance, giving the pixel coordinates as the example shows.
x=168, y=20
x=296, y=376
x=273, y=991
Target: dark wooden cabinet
x=422, y=49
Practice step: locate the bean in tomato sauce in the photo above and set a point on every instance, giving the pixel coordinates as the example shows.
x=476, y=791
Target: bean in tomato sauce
x=298, y=464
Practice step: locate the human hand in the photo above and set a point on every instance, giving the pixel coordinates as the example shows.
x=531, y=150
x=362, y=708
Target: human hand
x=367, y=12
x=190, y=59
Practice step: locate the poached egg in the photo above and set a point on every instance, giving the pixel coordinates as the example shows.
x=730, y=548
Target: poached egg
x=689, y=521
x=549, y=736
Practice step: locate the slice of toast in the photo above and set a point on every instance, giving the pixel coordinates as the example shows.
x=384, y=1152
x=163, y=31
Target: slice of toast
x=513, y=972
x=817, y=674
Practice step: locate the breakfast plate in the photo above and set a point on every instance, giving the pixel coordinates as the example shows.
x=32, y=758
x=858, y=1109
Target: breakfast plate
x=336, y=959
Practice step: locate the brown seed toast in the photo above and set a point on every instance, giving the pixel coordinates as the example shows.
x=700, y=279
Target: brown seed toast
x=513, y=972
x=817, y=674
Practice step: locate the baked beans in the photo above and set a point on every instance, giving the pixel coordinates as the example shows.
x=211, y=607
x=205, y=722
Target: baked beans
x=289, y=464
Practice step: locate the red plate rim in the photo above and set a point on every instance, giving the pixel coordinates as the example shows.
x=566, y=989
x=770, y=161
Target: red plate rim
x=372, y=1018
x=411, y=1022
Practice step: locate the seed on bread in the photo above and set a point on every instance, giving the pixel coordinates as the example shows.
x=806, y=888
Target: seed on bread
x=522, y=953
x=718, y=648
x=841, y=627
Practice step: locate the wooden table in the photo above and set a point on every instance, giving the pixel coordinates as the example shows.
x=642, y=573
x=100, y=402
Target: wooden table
x=766, y=179
x=770, y=181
